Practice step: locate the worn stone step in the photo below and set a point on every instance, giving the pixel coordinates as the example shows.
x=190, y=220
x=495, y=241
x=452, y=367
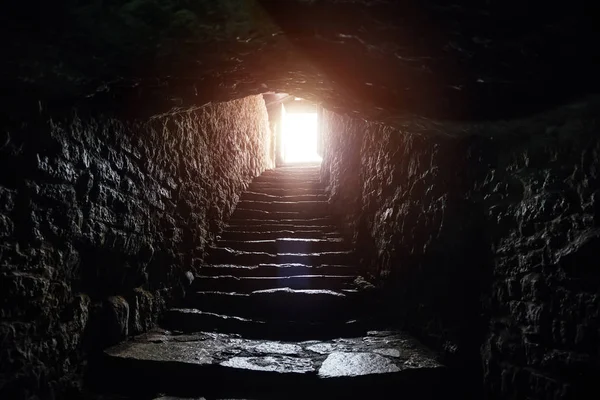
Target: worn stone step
x=244, y=213
x=294, y=206
x=288, y=179
x=283, y=223
x=281, y=304
x=288, y=191
x=378, y=365
x=286, y=245
x=297, y=168
x=254, y=196
x=244, y=284
x=280, y=270
x=307, y=166
x=224, y=255
x=239, y=226
x=194, y=320
x=285, y=185
x=291, y=176
x=277, y=234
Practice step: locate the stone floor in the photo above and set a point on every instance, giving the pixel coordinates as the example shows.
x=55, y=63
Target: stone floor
x=278, y=311
x=381, y=356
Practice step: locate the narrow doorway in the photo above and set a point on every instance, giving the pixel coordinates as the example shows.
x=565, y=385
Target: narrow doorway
x=299, y=132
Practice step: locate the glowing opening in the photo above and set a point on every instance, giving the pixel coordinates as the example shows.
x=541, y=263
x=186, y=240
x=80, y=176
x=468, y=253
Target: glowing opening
x=299, y=137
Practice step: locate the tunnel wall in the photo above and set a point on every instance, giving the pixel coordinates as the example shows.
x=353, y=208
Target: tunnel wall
x=101, y=222
x=484, y=243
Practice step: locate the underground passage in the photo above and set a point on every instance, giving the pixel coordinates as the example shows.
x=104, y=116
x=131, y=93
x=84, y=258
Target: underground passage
x=324, y=199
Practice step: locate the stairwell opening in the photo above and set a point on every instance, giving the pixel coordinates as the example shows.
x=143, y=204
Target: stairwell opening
x=299, y=132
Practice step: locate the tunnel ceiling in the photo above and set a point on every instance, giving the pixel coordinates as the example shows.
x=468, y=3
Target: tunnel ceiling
x=379, y=60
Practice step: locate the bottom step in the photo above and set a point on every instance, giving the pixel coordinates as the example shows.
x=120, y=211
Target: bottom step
x=377, y=365
x=193, y=320
x=283, y=304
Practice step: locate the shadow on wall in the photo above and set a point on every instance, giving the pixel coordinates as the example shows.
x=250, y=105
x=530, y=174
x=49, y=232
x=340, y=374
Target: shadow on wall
x=409, y=205
x=438, y=293
x=469, y=234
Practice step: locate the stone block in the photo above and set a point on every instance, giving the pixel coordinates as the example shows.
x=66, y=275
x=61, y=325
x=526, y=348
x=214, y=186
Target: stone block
x=56, y=168
x=62, y=194
x=109, y=322
x=7, y=199
x=77, y=313
x=6, y=226
x=104, y=173
x=579, y=258
x=23, y=295
x=142, y=314
x=84, y=185
x=533, y=286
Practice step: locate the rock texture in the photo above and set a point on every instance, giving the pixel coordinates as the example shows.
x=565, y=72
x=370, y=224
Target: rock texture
x=378, y=59
x=485, y=242
x=379, y=363
x=101, y=222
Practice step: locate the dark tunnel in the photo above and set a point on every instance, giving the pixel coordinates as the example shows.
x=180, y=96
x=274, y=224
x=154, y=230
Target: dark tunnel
x=304, y=199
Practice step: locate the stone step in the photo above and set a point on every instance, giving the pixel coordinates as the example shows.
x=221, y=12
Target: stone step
x=254, y=196
x=279, y=270
x=294, y=206
x=277, y=234
x=292, y=176
x=244, y=213
x=245, y=284
x=288, y=179
x=193, y=320
x=273, y=226
x=285, y=185
x=288, y=191
x=290, y=168
x=281, y=304
x=286, y=245
x=377, y=365
x=224, y=255
x=283, y=223
x=309, y=166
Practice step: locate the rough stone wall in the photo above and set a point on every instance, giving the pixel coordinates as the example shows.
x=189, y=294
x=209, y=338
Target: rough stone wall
x=101, y=223
x=542, y=200
x=484, y=241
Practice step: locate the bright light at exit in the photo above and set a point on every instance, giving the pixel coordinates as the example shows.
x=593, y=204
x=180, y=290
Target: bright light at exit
x=300, y=137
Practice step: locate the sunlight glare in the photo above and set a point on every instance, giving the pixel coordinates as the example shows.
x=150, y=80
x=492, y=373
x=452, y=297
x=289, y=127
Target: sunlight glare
x=300, y=137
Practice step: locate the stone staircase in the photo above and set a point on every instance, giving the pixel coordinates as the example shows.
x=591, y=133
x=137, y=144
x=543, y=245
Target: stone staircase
x=279, y=311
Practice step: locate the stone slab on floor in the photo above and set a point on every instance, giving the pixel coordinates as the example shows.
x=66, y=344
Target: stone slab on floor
x=378, y=352
x=176, y=364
